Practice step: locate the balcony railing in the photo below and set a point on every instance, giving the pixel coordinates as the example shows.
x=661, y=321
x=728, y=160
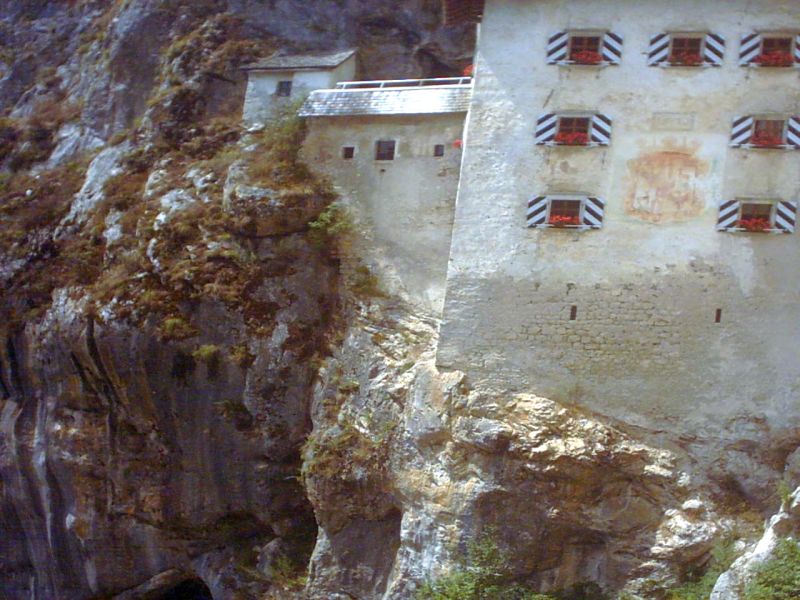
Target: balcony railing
x=402, y=83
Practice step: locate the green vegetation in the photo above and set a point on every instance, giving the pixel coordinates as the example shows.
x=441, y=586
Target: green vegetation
x=485, y=573
x=333, y=453
x=330, y=229
x=779, y=577
x=699, y=585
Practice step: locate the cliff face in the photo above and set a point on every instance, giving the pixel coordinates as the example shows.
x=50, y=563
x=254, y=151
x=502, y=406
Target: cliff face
x=201, y=389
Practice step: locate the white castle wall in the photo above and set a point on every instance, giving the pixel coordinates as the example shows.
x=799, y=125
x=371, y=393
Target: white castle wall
x=644, y=345
x=404, y=206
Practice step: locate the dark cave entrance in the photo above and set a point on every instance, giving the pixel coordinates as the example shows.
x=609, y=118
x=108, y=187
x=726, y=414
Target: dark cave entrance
x=191, y=589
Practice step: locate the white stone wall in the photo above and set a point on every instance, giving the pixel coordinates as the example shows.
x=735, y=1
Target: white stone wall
x=260, y=98
x=644, y=346
x=404, y=206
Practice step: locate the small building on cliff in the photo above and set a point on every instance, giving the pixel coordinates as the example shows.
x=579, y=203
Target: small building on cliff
x=392, y=150
x=624, y=229
x=279, y=79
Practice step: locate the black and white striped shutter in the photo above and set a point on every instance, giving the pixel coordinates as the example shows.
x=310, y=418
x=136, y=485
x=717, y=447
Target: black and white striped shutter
x=612, y=48
x=600, y=132
x=793, y=131
x=593, y=209
x=546, y=128
x=714, y=49
x=797, y=49
x=557, y=47
x=728, y=215
x=659, y=49
x=742, y=131
x=749, y=48
x=786, y=216
x=537, y=211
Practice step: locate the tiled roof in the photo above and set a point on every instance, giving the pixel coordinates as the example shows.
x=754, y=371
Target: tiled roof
x=301, y=61
x=462, y=11
x=387, y=101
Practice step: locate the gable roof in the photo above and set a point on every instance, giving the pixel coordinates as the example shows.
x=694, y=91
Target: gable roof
x=299, y=62
x=388, y=101
x=457, y=12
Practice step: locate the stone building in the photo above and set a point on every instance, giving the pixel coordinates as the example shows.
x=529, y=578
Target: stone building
x=392, y=149
x=279, y=79
x=624, y=228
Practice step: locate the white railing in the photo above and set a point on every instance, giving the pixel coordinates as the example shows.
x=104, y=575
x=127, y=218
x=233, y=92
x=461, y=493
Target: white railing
x=402, y=83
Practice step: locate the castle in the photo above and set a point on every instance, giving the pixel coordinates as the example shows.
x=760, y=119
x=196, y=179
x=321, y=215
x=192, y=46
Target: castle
x=622, y=231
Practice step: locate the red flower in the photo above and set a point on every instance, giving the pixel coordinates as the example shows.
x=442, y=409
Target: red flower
x=563, y=220
x=766, y=140
x=755, y=224
x=458, y=144
x=775, y=59
x=574, y=138
x=691, y=59
x=586, y=57
x=468, y=71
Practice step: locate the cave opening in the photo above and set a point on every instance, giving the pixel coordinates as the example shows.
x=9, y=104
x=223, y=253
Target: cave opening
x=190, y=589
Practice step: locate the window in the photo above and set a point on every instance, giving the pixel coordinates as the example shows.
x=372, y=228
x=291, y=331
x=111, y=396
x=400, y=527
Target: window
x=573, y=131
x=565, y=211
x=348, y=152
x=284, y=88
x=570, y=129
x=384, y=150
x=686, y=50
x=757, y=215
x=585, y=49
x=438, y=150
x=776, y=51
x=768, y=132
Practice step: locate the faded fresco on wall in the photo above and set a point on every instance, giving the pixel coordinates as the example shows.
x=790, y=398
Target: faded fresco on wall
x=666, y=184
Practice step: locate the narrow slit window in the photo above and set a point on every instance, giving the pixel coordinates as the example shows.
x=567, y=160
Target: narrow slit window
x=284, y=89
x=384, y=150
x=768, y=132
x=573, y=313
x=686, y=50
x=564, y=213
x=718, y=316
x=438, y=150
x=348, y=152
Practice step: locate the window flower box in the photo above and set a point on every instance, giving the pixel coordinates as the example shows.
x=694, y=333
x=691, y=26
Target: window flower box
x=686, y=59
x=766, y=140
x=564, y=221
x=572, y=138
x=755, y=224
x=774, y=59
x=586, y=57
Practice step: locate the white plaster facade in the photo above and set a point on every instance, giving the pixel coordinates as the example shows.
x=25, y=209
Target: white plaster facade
x=262, y=94
x=404, y=206
x=644, y=345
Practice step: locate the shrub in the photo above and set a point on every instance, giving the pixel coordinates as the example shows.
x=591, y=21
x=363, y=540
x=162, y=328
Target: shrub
x=330, y=228
x=779, y=577
x=699, y=586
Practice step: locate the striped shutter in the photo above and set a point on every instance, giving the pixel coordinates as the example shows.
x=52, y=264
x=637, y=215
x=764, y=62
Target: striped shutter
x=557, y=47
x=728, y=215
x=612, y=48
x=546, y=128
x=593, y=212
x=786, y=216
x=537, y=211
x=797, y=49
x=793, y=131
x=742, y=131
x=659, y=49
x=714, y=49
x=600, y=132
x=749, y=48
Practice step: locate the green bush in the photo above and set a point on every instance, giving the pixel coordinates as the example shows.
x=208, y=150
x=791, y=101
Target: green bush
x=779, y=577
x=699, y=586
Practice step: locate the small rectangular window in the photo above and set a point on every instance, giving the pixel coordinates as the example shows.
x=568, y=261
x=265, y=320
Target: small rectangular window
x=564, y=213
x=768, y=132
x=284, y=88
x=686, y=50
x=438, y=150
x=776, y=51
x=384, y=150
x=585, y=49
x=348, y=152
x=755, y=216
x=573, y=131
